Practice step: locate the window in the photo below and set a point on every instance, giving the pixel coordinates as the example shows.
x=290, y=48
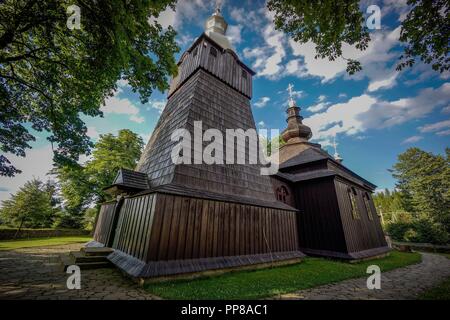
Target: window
x=367, y=204
x=213, y=52
x=282, y=194
x=244, y=74
x=353, y=203
x=194, y=53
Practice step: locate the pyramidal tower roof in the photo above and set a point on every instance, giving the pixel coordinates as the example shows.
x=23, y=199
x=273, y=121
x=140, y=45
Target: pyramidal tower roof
x=216, y=27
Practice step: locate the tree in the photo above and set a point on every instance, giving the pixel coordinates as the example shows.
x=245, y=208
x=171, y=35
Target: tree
x=331, y=23
x=50, y=75
x=83, y=185
x=424, y=179
x=33, y=206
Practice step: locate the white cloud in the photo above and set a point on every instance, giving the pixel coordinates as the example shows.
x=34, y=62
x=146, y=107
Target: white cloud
x=122, y=106
x=268, y=58
x=262, y=102
x=340, y=118
x=321, y=98
x=389, y=113
x=157, y=104
x=367, y=112
x=261, y=124
x=137, y=119
x=384, y=83
x=374, y=60
x=320, y=105
x=443, y=133
x=234, y=34
x=92, y=132
x=167, y=18
x=342, y=95
x=446, y=109
x=412, y=139
x=433, y=127
x=37, y=163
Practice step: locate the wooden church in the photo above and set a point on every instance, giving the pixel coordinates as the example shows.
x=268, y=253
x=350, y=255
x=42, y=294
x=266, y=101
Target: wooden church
x=169, y=218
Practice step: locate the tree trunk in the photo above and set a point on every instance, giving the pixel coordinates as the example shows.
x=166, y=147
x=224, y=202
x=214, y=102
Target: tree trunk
x=20, y=227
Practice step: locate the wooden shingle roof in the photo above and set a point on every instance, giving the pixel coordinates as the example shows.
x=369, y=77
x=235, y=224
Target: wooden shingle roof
x=131, y=179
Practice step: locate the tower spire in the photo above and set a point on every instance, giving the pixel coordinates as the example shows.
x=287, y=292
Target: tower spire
x=296, y=130
x=216, y=27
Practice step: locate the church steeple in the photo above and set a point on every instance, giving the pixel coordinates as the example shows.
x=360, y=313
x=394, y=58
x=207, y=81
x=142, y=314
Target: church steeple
x=296, y=131
x=216, y=27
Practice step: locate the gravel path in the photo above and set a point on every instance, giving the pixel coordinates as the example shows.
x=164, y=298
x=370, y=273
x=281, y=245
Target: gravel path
x=36, y=273
x=404, y=283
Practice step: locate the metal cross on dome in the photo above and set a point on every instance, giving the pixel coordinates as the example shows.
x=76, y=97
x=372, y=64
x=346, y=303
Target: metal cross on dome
x=218, y=5
x=289, y=89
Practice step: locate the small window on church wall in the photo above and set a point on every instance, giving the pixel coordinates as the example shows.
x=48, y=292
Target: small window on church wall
x=352, y=194
x=367, y=204
x=213, y=52
x=194, y=53
x=244, y=74
x=282, y=194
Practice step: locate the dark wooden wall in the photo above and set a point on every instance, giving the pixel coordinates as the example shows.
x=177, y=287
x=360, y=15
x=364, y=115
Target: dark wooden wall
x=360, y=234
x=225, y=65
x=134, y=225
x=104, y=221
x=319, y=222
x=160, y=227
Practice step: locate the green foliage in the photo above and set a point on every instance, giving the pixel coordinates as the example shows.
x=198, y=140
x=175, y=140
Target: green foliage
x=51, y=75
x=426, y=32
x=33, y=206
x=419, y=210
x=83, y=186
x=331, y=23
x=421, y=230
x=267, y=283
x=424, y=180
x=270, y=143
x=89, y=218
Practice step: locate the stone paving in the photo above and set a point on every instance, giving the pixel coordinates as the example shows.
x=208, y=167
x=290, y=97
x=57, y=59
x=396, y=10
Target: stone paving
x=402, y=284
x=36, y=273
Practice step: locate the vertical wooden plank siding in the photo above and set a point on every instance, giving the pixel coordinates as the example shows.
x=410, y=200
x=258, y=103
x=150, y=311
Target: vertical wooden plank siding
x=104, y=221
x=168, y=227
x=135, y=222
x=363, y=233
x=319, y=223
x=225, y=66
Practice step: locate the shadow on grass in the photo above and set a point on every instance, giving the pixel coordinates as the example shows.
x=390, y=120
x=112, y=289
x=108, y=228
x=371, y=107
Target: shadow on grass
x=311, y=272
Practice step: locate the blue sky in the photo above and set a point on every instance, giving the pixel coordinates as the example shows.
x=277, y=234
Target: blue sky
x=375, y=114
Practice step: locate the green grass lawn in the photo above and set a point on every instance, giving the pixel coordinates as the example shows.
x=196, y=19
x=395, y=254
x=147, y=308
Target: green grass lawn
x=441, y=292
x=311, y=272
x=41, y=242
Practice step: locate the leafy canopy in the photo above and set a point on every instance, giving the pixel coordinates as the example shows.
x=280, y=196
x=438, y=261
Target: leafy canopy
x=50, y=75
x=424, y=180
x=331, y=23
x=33, y=206
x=82, y=186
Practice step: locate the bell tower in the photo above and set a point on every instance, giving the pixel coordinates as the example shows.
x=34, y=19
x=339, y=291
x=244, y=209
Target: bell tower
x=193, y=216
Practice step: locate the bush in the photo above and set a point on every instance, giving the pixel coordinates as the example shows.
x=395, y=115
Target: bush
x=397, y=230
x=421, y=230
